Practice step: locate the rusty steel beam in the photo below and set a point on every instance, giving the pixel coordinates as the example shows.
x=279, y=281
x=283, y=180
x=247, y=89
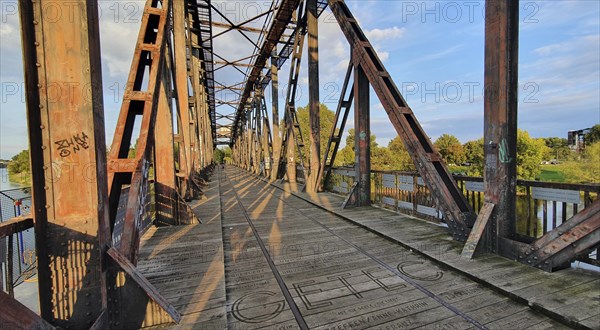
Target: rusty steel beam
x=500, y=117
x=337, y=129
x=180, y=48
x=276, y=30
x=149, y=54
x=314, y=104
x=275, y=113
x=457, y=212
x=15, y=225
x=67, y=143
x=557, y=248
x=165, y=185
x=362, y=138
x=15, y=315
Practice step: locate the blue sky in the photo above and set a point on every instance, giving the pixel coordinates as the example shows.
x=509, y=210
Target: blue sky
x=433, y=50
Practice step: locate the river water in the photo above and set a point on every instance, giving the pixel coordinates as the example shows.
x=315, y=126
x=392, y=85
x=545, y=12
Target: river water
x=5, y=183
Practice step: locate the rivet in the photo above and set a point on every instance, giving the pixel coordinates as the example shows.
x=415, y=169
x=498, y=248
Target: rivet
x=43, y=147
x=41, y=106
x=35, y=22
x=42, y=126
x=87, y=294
x=36, y=43
x=38, y=64
x=47, y=206
x=39, y=85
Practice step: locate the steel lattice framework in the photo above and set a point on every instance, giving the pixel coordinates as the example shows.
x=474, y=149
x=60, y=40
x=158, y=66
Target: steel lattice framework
x=197, y=80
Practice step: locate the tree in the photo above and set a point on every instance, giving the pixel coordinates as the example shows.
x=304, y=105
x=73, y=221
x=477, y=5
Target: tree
x=450, y=148
x=19, y=163
x=593, y=135
x=530, y=153
x=346, y=155
x=557, y=148
x=586, y=170
x=474, y=155
x=326, y=125
x=399, y=158
x=219, y=155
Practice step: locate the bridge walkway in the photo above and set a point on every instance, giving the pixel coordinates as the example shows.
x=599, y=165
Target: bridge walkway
x=268, y=258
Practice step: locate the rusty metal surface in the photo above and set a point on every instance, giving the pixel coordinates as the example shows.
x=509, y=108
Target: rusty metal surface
x=16, y=316
x=337, y=130
x=314, y=104
x=150, y=52
x=68, y=143
x=457, y=211
x=15, y=225
x=282, y=18
x=560, y=246
x=362, y=139
x=500, y=117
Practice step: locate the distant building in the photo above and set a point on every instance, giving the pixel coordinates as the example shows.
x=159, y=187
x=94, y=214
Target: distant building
x=576, y=139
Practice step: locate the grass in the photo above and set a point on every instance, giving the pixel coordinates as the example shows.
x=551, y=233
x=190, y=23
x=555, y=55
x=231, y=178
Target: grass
x=552, y=173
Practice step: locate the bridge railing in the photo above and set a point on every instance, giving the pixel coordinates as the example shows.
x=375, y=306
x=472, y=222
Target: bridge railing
x=17, y=251
x=541, y=206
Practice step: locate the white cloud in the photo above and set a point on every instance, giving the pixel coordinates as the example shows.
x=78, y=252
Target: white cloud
x=6, y=29
x=385, y=34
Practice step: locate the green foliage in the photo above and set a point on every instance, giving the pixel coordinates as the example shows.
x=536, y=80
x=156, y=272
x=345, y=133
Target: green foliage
x=218, y=155
x=587, y=169
x=450, y=148
x=326, y=124
x=557, y=149
x=594, y=134
x=530, y=153
x=399, y=157
x=346, y=155
x=19, y=163
x=19, y=169
x=474, y=155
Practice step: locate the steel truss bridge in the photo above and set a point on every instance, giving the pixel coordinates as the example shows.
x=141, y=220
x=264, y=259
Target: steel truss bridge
x=185, y=95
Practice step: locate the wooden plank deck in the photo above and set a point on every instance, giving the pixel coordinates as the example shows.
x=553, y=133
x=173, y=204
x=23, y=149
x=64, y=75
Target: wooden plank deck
x=266, y=258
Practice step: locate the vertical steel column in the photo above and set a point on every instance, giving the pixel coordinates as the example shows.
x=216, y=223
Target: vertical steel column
x=275, y=111
x=291, y=151
x=68, y=158
x=500, y=116
x=313, y=95
x=362, y=167
x=164, y=158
